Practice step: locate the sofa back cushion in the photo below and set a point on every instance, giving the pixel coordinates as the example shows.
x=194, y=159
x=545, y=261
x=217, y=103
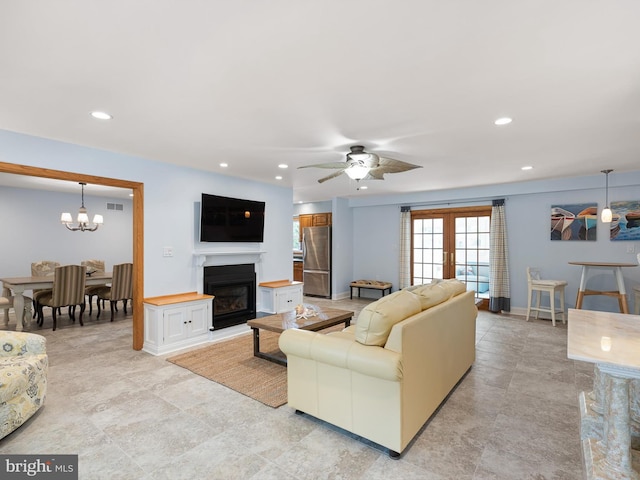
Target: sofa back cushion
x=376, y=319
x=435, y=293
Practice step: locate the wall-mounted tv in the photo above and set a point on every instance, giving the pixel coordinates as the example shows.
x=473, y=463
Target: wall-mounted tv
x=224, y=219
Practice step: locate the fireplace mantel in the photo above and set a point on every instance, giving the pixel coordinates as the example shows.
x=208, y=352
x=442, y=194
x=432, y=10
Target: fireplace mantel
x=202, y=256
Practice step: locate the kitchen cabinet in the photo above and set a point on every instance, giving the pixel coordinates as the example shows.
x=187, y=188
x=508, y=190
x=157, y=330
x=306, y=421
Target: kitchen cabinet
x=174, y=322
x=297, y=271
x=314, y=220
x=280, y=296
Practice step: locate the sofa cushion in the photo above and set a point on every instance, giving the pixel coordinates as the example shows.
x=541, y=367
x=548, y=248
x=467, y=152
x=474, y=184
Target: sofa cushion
x=433, y=294
x=376, y=319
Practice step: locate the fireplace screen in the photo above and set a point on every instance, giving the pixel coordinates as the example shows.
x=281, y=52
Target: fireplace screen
x=230, y=299
x=234, y=289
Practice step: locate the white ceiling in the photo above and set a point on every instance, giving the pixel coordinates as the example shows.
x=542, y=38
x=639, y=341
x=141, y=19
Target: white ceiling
x=256, y=84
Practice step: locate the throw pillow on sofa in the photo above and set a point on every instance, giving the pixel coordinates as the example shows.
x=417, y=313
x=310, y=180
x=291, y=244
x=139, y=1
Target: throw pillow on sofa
x=433, y=294
x=376, y=319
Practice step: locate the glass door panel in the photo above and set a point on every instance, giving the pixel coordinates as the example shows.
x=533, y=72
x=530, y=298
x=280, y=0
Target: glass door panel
x=452, y=243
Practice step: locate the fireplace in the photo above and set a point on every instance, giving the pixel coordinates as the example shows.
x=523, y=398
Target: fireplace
x=234, y=289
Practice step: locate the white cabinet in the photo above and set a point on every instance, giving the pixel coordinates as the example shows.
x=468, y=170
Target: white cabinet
x=280, y=296
x=173, y=322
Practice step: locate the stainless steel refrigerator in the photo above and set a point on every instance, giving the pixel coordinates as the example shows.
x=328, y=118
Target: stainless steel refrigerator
x=316, y=261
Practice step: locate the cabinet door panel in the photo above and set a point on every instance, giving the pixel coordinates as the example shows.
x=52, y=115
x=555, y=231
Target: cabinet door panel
x=175, y=324
x=200, y=319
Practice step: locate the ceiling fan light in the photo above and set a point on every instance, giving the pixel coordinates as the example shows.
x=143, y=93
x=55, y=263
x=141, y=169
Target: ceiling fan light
x=357, y=172
x=359, y=157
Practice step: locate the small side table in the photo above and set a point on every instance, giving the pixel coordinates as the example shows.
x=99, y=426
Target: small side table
x=620, y=294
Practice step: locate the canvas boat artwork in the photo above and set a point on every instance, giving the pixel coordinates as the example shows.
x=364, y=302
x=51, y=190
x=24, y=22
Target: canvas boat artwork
x=589, y=217
x=561, y=220
x=574, y=222
x=626, y=220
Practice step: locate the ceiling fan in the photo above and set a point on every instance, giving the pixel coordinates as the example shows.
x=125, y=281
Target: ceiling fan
x=361, y=165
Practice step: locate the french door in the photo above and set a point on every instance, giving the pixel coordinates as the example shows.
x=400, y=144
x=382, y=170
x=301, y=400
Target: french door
x=452, y=243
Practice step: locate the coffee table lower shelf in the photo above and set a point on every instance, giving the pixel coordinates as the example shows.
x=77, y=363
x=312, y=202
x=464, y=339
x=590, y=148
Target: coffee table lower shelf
x=280, y=322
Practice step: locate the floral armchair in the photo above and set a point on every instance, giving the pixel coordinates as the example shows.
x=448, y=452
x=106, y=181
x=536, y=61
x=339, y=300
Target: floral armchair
x=23, y=378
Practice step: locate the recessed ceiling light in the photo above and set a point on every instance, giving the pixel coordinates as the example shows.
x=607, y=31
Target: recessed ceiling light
x=283, y=165
x=503, y=121
x=527, y=167
x=278, y=177
x=101, y=115
x=224, y=165
x=363, y=187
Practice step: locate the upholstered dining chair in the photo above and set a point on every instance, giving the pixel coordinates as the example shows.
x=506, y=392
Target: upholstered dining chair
x=43, y=268
x=68, y=290
x=121, y=287
x=93, y=266
x=6, y=302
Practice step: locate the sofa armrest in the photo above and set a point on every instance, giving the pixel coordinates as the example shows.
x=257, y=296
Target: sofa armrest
x=21, y=343
x=341, y=352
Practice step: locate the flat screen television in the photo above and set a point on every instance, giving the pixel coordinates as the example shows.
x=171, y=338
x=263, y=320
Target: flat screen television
x=224, y=219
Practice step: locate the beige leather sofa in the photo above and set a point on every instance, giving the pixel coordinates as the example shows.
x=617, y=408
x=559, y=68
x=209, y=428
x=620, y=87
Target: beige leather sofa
x=385, y=376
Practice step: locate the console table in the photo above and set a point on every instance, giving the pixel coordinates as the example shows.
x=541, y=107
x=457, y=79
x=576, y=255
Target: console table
x=620, y=294
x=610, y=414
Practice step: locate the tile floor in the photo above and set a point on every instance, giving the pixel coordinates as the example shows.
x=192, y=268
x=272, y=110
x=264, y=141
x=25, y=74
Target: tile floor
x=130, y=415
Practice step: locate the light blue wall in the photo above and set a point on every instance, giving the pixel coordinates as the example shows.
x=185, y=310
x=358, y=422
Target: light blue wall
x=314, y=207
x=376, y=232
x=39, y=235
x=170, y=197
x=342, y=247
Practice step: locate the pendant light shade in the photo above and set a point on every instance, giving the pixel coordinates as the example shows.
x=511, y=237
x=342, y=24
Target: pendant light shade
x=606, y=216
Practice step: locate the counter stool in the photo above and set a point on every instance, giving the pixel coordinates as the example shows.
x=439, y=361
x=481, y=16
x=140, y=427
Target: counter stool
x=636, y=299
x=538, y=285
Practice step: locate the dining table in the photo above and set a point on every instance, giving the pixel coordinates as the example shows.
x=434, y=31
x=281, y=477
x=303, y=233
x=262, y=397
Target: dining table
x=616, y=268
x=18, y=285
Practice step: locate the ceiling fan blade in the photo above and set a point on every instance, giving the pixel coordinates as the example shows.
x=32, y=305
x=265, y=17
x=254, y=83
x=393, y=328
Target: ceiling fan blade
x=390, y=165
x=327, y=165
x=333, y=175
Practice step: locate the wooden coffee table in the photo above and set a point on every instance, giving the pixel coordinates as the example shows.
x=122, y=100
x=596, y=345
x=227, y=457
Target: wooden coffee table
x=278, y=323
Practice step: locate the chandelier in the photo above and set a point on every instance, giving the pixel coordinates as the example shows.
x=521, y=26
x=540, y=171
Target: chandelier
x=83, y=218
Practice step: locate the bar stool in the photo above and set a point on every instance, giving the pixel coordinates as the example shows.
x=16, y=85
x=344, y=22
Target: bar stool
x=539, y=286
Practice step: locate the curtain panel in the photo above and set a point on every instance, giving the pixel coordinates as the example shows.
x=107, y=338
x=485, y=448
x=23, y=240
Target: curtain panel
x=499, y=291
x=405, y=247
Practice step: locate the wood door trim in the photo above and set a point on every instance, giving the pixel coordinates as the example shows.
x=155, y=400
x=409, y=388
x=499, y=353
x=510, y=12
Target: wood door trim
x=138, y=228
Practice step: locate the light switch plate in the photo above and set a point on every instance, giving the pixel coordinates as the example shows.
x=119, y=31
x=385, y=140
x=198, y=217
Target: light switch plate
x=167, y=251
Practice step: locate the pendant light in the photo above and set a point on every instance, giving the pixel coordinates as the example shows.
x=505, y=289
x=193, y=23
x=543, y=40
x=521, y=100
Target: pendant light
x=83, y=218
x=606, y=215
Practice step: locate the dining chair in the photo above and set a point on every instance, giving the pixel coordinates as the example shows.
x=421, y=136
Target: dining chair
x=43, y=268
x=6, y=303
x=121, y=287
x=539, y=286
x=68, y=291
x=93, y=266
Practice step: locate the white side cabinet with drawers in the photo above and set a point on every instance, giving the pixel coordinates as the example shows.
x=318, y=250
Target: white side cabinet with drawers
x=280, y=296
x=174, y=322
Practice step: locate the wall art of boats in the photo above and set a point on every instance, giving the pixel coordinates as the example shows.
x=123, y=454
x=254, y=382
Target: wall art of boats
x=588, y=217
x=561, y=220
x=633, y=219
x=614, y=228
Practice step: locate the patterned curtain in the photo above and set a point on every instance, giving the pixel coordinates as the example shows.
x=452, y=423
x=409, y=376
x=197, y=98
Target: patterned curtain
x=405, y=247
x=499, y=293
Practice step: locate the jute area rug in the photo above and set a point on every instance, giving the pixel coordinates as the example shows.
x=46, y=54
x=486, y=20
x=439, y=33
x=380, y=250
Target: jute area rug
x=231, y=363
